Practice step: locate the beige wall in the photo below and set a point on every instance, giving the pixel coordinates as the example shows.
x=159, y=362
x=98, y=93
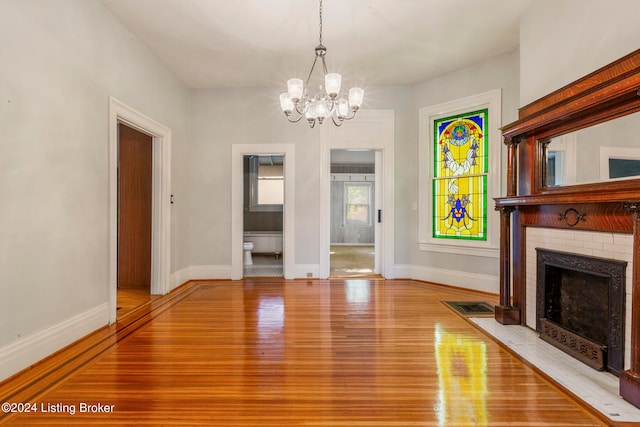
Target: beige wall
x=563, y=40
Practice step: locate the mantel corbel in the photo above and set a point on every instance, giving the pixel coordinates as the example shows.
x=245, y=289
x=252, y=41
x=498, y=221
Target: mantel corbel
x=632, y=208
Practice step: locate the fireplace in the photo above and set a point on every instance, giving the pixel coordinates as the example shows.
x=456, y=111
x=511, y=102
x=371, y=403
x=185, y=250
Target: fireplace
x=580, y=306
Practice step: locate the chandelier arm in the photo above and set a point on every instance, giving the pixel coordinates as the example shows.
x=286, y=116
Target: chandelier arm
x=311, y=71
x=297, y=107
x=324, y=66
x=295, y=120
x=338, y=123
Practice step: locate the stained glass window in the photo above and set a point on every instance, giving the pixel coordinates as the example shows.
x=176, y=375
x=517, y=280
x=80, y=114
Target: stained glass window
x=459, y=179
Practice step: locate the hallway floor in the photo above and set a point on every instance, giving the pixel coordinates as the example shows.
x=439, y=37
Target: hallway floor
x=345, y=261
x=351, y=261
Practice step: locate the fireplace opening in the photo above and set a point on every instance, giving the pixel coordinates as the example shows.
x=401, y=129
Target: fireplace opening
x=580, y=307
x=577, y=301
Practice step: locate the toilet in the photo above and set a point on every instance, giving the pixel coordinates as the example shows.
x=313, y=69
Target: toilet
x=247, y=247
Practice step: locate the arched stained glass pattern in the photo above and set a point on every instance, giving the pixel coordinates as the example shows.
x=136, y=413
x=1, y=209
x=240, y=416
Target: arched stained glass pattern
x=459, y=179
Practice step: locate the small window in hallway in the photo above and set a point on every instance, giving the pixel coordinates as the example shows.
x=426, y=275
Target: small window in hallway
x=357, y=203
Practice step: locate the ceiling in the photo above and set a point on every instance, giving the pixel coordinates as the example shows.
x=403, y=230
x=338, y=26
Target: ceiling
x=262, y=43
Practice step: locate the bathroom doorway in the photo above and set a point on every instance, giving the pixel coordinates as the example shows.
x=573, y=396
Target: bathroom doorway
x=353, y=213
x=263, y=195
x=238, y=152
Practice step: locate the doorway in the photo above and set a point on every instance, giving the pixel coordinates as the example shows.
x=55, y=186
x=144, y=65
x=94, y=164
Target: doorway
x=134, y=218
x=371, y=130
x=238, y=153
x=120, y=113
x=353, y=213
x=263, y=191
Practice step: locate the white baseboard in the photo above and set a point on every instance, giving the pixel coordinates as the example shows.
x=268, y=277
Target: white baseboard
x=476, y=282
x=202, y=272
x=223, y=272
x=179, y=277
x=302, y=271
x=28, y=350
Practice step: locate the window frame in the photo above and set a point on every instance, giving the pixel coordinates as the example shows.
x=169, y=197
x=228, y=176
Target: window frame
x=254, y=206
x=428, y=115
x=346, y=203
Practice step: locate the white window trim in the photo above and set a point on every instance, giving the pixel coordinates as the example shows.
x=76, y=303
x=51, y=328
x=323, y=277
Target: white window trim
x=607, y=153
x=489, y=248
x=346, y=203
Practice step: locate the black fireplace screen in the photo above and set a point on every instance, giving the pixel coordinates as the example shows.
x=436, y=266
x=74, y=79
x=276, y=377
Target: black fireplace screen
x=586, y=296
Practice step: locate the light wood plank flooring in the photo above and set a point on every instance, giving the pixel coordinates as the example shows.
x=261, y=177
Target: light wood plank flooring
x=290, y=353
x=351, y=261
x=131, y=299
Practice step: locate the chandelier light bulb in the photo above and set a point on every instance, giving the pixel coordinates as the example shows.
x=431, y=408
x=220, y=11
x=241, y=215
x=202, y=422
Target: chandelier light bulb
x=312, y=110
x=322, y=110
x=332, y=82
x=295, y=89
x=343, y=108
x=356, y=96
x=286, y=103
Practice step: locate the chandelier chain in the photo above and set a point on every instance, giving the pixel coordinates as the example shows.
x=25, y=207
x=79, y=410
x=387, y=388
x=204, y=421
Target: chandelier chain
x=321, y=22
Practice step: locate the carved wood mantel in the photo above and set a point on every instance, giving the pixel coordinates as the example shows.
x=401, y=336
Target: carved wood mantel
x=612, y=206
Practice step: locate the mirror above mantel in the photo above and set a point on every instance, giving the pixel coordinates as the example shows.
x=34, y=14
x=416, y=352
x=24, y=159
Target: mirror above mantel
x=604, y=152
x=579, y=143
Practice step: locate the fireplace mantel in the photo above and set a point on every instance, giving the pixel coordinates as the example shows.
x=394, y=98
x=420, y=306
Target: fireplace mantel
x=612, y=92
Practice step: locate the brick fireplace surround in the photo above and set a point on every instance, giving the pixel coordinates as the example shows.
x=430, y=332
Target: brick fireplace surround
x=600, y=219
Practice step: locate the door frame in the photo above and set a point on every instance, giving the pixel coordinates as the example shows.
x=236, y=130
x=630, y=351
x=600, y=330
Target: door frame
x=371, y=130
x=238, y=151
x=161, y=196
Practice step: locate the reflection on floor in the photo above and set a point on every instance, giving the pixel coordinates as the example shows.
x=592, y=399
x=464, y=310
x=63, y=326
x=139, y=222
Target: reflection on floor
x=130, y=299
x=598, y=389
x=351, y=261
x=264, y=265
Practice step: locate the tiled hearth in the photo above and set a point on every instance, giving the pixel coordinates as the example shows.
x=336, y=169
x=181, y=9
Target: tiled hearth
x=598, y=389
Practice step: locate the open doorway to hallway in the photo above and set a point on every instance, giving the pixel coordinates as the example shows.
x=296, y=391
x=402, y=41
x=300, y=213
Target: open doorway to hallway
x=135, y=194
x=353, y=213
x=160, y=217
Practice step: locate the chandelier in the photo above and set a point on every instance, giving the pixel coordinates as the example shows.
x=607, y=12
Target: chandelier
x=297, y=103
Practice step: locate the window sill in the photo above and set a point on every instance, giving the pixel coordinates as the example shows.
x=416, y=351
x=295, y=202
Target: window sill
x=488, y=252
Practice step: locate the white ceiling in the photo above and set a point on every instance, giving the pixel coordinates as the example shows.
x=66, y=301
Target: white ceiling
x=262, y=43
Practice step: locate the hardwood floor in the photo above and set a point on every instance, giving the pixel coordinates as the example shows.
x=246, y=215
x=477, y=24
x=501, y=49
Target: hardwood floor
x=274, y=352
x=131, y=299
x=351, y=261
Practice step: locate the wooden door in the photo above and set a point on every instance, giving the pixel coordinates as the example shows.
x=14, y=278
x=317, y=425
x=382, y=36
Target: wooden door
x=134, y=208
